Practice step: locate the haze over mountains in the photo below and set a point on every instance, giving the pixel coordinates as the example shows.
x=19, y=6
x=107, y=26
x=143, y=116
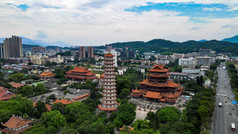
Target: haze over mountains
x=29, y=41
x=41, y=43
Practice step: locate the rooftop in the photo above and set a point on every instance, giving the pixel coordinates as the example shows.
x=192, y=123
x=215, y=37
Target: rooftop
x=16, y=85
x=16, y=122
x=5, y=94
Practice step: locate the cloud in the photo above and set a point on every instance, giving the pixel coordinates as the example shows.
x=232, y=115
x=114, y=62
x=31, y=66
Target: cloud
x=41, y=35
x=98, y=22
x=212, y=9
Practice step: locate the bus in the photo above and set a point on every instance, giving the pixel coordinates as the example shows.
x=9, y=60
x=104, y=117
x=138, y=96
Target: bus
x=233, y=127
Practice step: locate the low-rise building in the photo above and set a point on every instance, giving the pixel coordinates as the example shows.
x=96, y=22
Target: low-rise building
x=188, y=62
x=46, y=75
x=5, y=95
x=80, y=74
x=202, y=61
x=16, y=125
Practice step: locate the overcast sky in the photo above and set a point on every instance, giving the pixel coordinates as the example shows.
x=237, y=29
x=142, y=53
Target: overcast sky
x=99, y=22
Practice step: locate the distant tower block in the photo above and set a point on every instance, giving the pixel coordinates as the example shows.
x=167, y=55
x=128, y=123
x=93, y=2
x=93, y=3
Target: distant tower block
x=108, y=101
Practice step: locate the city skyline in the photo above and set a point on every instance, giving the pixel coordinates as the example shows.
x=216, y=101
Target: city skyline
x=102, y=22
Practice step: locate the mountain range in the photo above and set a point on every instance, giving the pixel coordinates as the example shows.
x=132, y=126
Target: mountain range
x=41, y=43
x=233, y=39
x=29, y=41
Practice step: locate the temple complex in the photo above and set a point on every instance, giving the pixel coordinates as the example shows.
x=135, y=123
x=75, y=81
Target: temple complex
x=16, y=125
x=108, y=101
x=80, y=74
x=157, y=87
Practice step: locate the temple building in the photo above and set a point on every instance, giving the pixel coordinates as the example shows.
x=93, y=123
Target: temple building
x=16, y=125
x=46, y=75
x=136, y=93
x=157, y=87
x=5, y=95
x=80, y=74
x=108, y=101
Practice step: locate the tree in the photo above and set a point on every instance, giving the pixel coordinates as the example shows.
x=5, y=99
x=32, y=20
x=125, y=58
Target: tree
x=126, y=114
x=122, y=83
x=124, y=93
x=5, y=115
x=27, y=91
x=40, y=108
x=24, y=105
x=58, y=106
x=75, y=111
x=53, y=118
x=68, y=130
x=168, y=114
x=203, y=111
x=59, y=75
x=16, y=77
x=154, y=120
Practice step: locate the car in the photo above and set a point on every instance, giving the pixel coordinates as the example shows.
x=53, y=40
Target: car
x=230, y=113
x=225, y=101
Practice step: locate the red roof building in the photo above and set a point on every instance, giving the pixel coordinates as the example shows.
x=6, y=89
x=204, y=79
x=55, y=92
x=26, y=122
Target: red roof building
x=108, y=101
x=136, y=93
x=63, y=101
x=81, y=97
x=80, y=74
x=46, y=75
x=16, y=85
x=16, y=125
x=157, y=87
x=5, y=94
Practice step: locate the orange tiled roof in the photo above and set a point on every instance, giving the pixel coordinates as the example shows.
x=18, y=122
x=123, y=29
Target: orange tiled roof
x=5, y=95
x=15, y=122
x=81, y=77
x=159, y=75
x=106, y=109
x=155, y=95
x=158, y=68
x=102, y=76
x=63, y=101
x=16, y=85
x=136, y=91
x=79, y=69
x=81, y=97
x=47, y=73
x=49, y=107
x=169, y=83
x=109, y=55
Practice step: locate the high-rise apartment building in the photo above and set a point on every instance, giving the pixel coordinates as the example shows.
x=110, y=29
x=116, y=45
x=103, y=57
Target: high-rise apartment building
x=82, y=52
x=1, y=50
x=12, y=47
x=90, y=52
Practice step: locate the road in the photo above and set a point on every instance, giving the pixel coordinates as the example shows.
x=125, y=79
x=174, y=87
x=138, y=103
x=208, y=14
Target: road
x=227, y=114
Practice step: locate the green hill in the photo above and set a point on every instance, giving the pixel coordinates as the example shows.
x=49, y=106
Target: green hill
x=168, y=47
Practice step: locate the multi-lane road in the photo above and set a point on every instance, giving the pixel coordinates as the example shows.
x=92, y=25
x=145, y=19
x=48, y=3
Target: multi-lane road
x=227, y=114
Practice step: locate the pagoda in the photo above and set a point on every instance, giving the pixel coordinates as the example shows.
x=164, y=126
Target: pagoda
x=80, y=74
x=108, y=101
x=157, y=87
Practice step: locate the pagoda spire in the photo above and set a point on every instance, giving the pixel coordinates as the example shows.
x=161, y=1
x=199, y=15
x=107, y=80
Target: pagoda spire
x=108, y=101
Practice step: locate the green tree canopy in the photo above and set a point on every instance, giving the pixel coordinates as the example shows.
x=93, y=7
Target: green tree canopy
x=168, y=114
